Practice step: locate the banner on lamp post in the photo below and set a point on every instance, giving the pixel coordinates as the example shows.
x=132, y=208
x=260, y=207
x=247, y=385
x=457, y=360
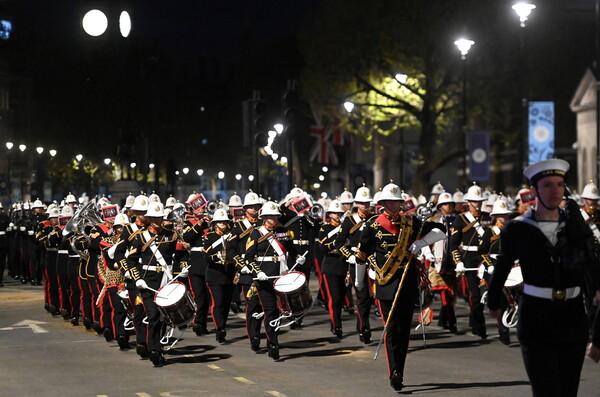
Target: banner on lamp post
x=541, y=132
x=479, y=155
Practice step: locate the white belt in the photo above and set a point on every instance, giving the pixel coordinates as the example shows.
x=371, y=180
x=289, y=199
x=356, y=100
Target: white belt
x=301, y=242
x=275, y=258
x=152, y=268
x=354, y=249
x=551, y=293
x=494, y=256
x=66, y=252
x=2, y=233
x=470, y=247
x=52, y=249
x=73, y=256
x=196, y=249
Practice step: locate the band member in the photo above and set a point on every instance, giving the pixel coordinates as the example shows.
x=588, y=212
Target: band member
x=51, y=249
x=490, y=249
x=235, y=251
x=4, y=224
x=466, y=238
x=346, y=242
x=553, y=249
x=267, y=253
x=334, y=266
x=149, y=257
x=194, y=232
x=385, y=241
x=120, y=253
x=591, y=216
x=114, y=281
x=304, y=229
x=69, y=290
x=220, y=271
x=441, y=270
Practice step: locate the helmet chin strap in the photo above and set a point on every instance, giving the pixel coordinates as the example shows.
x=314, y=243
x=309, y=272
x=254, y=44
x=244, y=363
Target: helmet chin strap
x=542, y=202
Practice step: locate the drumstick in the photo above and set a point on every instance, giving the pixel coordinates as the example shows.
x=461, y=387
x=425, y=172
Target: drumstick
x=256, y=279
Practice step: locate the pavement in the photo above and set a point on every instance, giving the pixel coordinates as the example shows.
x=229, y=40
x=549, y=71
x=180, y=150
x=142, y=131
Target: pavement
x=41, y=355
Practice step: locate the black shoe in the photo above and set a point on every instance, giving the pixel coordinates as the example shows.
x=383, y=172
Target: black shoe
x=108, y=335
x=274, y=352
x=200, y=330
x=396, y=380
x=23, y=281
x=87, y=323
x=142, y=350
x=255, y=343
x=480, y=331
x=322, y=303
x=365, y=336
x=505, y=336
x=64, y=313
x=157, y=358
x=452, y=328
x=221, y=336
x=75, y=321
x=296, y=324
x=235, y=308
x=349, y=309
x=338, y=332
x=97, y=327
x=123, y=342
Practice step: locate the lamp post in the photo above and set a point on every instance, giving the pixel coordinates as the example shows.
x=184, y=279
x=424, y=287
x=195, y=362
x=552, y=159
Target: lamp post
x=464, y=45
x=523, y=10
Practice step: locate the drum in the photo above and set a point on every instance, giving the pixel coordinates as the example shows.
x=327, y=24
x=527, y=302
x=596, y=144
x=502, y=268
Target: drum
x=292, y=293
x=124, y=296
x=175, y=302
x=515, y=277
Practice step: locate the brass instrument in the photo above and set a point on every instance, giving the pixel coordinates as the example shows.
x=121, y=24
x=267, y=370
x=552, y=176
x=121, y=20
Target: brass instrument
x=316, y=211
x=211, y=207
x=86, y=217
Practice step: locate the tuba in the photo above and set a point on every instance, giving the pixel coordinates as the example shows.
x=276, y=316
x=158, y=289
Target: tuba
x=84, y=219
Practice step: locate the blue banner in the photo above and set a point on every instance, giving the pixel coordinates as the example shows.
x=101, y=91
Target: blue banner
x=479, y=155
x=541, y=132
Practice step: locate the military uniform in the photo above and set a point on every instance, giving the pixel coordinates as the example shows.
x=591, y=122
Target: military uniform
x=236, y=248
x=467, y=236
x=4, y=225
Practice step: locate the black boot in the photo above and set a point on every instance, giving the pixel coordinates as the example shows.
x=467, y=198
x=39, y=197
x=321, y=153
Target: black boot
x=255, y=343
x=396, y=380
x=274, y=352
x=157, y=358
x=365, y=336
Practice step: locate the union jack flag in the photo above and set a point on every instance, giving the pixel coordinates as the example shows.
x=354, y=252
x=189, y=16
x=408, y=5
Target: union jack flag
x=326, y=136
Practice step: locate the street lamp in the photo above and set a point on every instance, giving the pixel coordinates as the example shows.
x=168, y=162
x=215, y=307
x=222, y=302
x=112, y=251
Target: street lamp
x=39, y=150
x=107, y=161
x=464, y=45
x=22, y=147
x=94, y=23
x=186, y=170
x=279, y=128
x=200, y=172
x=401, y=78
x=9, y=145
x=221, y=175
x=348, y=106
x=523, y=10
x=79, y=157
x=52, y=152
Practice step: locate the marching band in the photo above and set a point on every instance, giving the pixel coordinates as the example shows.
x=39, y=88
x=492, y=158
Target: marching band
x=151, y=270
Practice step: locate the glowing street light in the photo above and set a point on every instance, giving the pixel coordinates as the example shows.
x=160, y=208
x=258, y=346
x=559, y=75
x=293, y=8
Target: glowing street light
x=52, y=152
x=79, y=157
x=348, y=106
x=274, y=156
x=238, y=177
x=132, y=165
x=39, y=150
x=125, y=24
x=221, y=175
x=283, y=159
x=107, y=161
x=22, y=147
x=177, y=173
x=401, y=78
x=186, y=170
x=279, y=128
x=94, y=23
x=321, y=177
x=9, y=145
x=200, y=172
x=151, y=166
x=464, y=45
x=325, y=169
x=250, y=178
x=523, y=10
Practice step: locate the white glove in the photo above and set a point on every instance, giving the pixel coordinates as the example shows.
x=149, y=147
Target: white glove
x=460, y=267
x=351, y=259
x=490, y=270
x=127, y=275
x=184, y=272
x=262, y=276
x=359, y=270
x=434, y=236
x=141, y=284
x=426, y=252
x=300, y=260
x=246, y=270
x=416, y=247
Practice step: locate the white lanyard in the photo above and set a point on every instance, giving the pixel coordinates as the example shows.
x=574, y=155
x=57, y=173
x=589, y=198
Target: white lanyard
x=159, y=258
x=476, y=225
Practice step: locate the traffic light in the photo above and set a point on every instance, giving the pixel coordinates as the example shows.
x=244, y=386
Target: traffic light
x=291, y=112
x=254, y=113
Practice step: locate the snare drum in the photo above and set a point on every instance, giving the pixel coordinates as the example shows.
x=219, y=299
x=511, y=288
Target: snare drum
x=124, y=296
x=515, y=277
x=292, y=293
x=175, y=302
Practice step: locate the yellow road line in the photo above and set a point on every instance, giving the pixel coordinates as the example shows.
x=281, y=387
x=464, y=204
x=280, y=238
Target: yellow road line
x=275, y=393
x=243, y=380
x=215, y=367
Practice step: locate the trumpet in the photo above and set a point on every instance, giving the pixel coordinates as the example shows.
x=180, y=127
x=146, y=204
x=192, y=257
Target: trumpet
x=316, y=211
x=211, y=207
